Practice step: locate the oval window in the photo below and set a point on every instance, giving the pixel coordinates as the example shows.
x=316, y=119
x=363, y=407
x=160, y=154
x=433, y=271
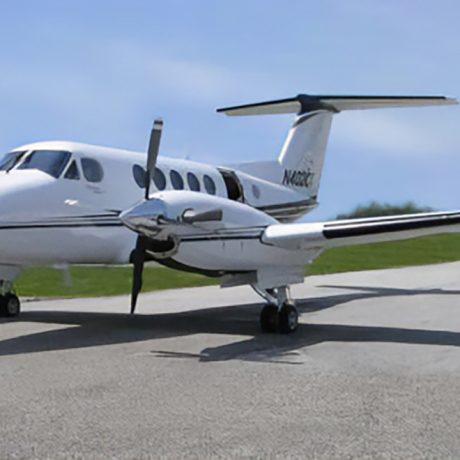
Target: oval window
x=92, y=170
x=139, y=175
x=176, y=180
x=159, y=179
x=193, y=182
x=209, y=185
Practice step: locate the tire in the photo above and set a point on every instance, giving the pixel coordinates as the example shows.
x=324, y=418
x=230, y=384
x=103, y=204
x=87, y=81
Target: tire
x=269, y=318
x=288, y=319
x=10, y=306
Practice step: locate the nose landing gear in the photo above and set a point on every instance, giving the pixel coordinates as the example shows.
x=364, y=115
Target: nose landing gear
x=280, y=314
x=10, y=305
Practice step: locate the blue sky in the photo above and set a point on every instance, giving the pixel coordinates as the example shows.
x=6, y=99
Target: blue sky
x=99, y=71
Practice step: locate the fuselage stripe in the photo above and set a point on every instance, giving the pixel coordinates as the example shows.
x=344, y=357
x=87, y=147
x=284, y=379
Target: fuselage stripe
x=220, y=238
x=62, y=225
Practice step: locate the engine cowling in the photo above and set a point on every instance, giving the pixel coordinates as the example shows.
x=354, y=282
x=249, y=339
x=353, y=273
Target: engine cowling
x=211, y=235
x=182, y=212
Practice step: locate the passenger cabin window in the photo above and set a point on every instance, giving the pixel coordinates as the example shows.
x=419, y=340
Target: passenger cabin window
x=139, y=174
x=193, y=182
x=209, y=185
x=159, y=179
x=51, y=162
x=176, y=180
x=92, y=170
x=72, y=172
x=10, y=160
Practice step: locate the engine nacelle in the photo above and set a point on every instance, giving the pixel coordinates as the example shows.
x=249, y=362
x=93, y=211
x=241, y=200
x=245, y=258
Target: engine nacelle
x=181, y=213
x=214, y=236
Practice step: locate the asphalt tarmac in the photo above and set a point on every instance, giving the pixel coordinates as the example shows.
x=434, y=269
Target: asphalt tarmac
x=372, y=372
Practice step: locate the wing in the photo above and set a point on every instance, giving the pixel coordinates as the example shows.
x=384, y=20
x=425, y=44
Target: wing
x=360, y=231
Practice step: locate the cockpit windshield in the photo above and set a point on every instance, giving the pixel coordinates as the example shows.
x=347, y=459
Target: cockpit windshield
x=10, y=160
x=51, y=162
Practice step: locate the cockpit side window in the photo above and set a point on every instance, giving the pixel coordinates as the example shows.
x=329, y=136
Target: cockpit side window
x=92, y=170
x=10, y=160
x=72, y=171
x=51, y=162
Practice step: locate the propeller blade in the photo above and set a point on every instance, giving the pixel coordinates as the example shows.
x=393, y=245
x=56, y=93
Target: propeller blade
x=152, y=153
x=138, y=268
x=139, y=251
x=138, y=257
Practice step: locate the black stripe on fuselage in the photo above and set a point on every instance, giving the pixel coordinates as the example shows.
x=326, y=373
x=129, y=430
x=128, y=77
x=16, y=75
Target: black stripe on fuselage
x=91, y=220
x=405, y=224
x=68, y=225
x=220, y=238
x=287, y=206
x=288, y=211
x=69, y=218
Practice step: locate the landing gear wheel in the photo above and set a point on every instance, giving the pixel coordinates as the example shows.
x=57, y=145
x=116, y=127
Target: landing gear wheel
x=288, y=319
x=269, y=318
x=10, y=306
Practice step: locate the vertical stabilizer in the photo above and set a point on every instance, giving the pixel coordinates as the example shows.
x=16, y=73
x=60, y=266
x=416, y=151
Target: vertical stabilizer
x=303, y=152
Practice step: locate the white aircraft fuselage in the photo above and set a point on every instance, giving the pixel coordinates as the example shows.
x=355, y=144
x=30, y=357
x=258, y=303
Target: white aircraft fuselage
x=69, y=203
x=59, y=220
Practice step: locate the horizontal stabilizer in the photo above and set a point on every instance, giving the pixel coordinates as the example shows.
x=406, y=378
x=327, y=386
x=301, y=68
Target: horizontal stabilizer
x=304, y=103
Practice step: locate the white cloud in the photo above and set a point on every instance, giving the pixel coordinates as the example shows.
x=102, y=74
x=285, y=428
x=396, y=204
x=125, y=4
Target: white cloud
x=115, y=82
x=166, y=74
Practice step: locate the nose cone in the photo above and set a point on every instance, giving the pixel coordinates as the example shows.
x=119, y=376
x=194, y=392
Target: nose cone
x=144, y=217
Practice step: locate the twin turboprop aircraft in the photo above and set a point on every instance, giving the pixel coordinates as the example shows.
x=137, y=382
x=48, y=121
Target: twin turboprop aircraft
x=70, y=203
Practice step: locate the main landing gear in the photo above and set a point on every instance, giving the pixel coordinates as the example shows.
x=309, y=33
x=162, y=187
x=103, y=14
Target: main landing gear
x=9, y=301
x=280, y=314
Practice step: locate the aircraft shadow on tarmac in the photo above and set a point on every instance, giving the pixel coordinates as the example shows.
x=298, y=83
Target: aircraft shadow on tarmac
x=95, y=329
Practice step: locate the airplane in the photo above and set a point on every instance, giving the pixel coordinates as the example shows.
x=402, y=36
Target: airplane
x=71, y=203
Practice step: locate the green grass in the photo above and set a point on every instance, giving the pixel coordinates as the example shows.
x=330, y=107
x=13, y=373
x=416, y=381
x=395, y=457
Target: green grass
x=420, y=251
x=102, y=281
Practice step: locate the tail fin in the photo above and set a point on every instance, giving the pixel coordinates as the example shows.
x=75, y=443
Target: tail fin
x=302, y=156
x=303, y=152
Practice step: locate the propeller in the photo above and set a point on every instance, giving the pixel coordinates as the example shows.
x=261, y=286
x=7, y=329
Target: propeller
x=138, y=259
x=138, y=255
x=152, y=153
